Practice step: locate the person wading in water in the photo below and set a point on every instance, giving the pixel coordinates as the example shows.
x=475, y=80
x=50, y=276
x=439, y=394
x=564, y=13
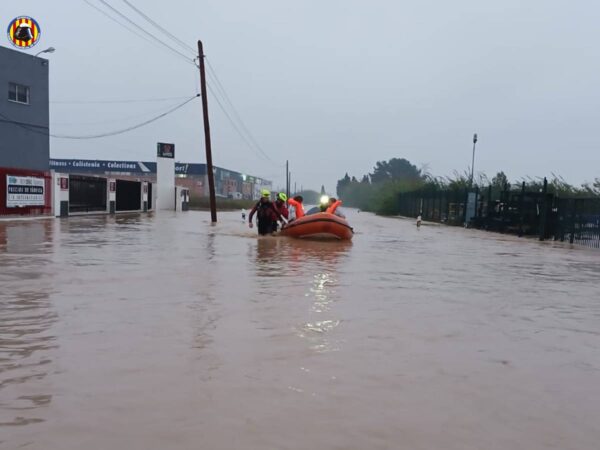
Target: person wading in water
x=266, y=214
x=281, y=208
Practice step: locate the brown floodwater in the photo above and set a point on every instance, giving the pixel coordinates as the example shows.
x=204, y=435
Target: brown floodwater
x=164, y=332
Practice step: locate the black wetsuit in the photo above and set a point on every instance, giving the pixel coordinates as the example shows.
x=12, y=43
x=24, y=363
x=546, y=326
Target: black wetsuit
x=267, y=217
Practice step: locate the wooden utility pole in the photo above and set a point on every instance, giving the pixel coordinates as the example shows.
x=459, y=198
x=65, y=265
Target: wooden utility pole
x=209, y=165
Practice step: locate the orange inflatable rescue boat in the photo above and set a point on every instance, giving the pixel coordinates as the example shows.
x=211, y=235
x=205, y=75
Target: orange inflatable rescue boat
x=321, y=225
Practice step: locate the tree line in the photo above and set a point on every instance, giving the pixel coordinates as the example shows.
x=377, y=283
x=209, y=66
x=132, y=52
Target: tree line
x=378, y=190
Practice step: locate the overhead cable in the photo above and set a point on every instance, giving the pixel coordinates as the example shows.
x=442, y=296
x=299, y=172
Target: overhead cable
x=234, y=109
x=162, y=29
x=139, y=100
x=32, y=128
x=232, y=122
x=101, y=11
x=249, y=138
x=119, y=119
x=244, y=133
x=120, y=14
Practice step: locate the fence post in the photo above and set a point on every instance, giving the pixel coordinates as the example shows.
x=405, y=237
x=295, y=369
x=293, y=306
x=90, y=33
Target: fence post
x=543, y=214
x=562, y=217
x=428, y=207
x=429, y=211
x=521, y=207
x=465, y=200
x=399, y=203
x=597, y=226
x=477, y=201
x=572, y=221
x=489, y=201
x=578, y=209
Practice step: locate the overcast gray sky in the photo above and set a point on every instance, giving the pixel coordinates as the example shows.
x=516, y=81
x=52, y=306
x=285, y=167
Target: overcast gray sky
x=334, y=86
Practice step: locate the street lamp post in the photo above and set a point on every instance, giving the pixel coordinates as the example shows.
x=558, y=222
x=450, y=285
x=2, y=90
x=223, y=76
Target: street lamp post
x=48, y=50
x=473, y=160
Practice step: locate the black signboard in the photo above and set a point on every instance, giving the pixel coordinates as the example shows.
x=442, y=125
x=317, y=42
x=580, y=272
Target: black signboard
x=165, y=150
x=26, y=190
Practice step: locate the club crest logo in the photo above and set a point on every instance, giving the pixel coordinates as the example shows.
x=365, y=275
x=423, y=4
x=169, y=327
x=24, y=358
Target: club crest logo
x=24, y=32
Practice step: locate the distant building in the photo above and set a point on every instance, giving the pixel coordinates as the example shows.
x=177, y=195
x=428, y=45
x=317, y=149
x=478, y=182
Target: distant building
x=24, y=111
x=228, y=183
x=26, y=184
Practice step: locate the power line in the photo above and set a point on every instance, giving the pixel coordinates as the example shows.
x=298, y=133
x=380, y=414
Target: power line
x=122, y=119
x=233, y=124
x=125, y=130
x=32, y=129
x=29, y=126
x=142, y=100
x=159, y=27
x=219, y=86
x=249, y=139
x=101, y=11
x=115, y=10
x=246, y=135
x=234, y=109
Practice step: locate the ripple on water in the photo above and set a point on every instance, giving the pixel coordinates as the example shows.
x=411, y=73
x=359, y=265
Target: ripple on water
x=198, y=333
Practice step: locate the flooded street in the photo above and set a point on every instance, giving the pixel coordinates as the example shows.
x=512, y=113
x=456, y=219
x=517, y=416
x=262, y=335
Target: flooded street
x=164, y=332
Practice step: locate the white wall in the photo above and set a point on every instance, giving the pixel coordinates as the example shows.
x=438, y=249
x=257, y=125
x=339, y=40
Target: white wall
x=165, y=179
x=59, y=194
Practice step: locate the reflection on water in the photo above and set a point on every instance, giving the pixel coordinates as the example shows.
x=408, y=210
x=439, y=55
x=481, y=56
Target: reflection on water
x=267, y=255
x=322, y=295
x=26, y=319
x=316, y=263
x=27, y=238
x=278, y=256
x=164, y=331
x=322, y=292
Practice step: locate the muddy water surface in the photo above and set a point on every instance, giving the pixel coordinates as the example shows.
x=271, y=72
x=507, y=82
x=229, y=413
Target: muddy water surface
x=164, y=332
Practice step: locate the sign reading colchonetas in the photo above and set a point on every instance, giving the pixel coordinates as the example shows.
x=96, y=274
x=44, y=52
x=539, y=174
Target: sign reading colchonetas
x=24, y=191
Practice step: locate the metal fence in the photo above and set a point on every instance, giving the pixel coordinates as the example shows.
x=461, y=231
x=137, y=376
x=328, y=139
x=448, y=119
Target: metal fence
x=523, y=212
x=445, y=206
x=87, y=194
x=578, y=221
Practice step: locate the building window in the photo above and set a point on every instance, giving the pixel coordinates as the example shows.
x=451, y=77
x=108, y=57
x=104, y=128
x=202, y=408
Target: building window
x=18, y=93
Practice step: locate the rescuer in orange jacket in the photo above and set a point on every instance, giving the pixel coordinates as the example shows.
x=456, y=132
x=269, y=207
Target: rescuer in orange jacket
x=296, y=202
x=333, y=205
